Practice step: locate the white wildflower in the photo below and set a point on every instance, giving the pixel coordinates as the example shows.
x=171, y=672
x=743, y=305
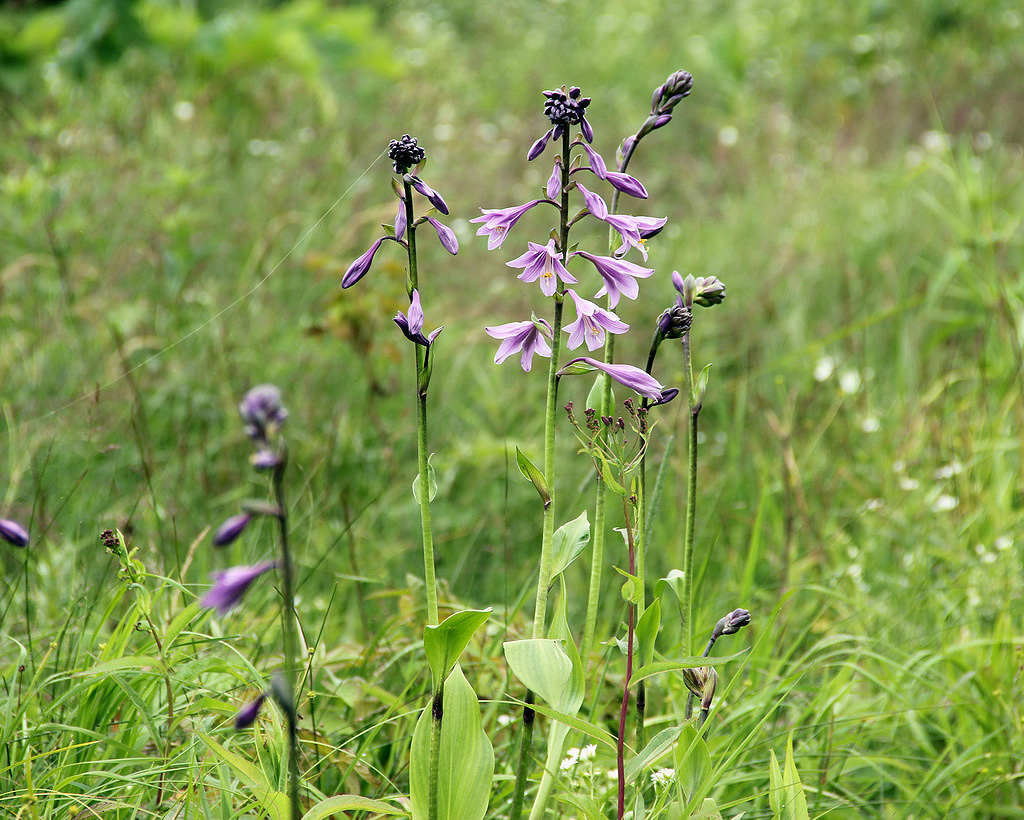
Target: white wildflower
x=945, y=503
x=728, y=136
x=908, y=484
x=849, y=381
x=1003, y=542
x=824, y=368
x=184, y=111
x=505, y=720
x=949, y=470
x=870, y=424
x=588, y=752
x=663, y=777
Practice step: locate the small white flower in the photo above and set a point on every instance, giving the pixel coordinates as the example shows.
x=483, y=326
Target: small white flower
x=588, y=752
x=934, y=141
x=728, y=136
x=572, y=758
x=612, y=774
x=909, y=484
x=824, y=368
x=873, y=504
x=505, y=720
x=663, y=777
x=945, y=503
x=949, y=470
x=849, y=381
x=870, y=424
x=1003, y=542
x=184, y=111
x=989, y=558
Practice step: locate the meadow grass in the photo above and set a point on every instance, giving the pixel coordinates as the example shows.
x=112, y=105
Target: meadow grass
x=852, y=174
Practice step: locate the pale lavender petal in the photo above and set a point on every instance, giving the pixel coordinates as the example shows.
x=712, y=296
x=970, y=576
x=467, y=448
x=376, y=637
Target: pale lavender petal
x=627, y=184
x=400, y=221
x=597, y=163
x=415, y=313
x=536, y=344
x=554, y=186
x=447, y=236
x=625, y=374
x=595, y=204
x=649, y=226
x=13, y=533
x=231, y=584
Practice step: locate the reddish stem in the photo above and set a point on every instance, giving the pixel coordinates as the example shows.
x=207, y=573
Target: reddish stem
x=624, y=711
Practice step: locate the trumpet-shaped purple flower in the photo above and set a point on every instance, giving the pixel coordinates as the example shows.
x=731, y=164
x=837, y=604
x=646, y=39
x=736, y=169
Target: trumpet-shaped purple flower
x=231, y=529
x=499, y=221
x=625, y=374
x=623, y=182
x=247, y=715
x=433, y=196
x=13, y=533
x=591, y=323
x=619, y=276
x=446, y=235
x=358, y=269
x=412, y=325
x=231, y=585
x=527, y=338
x=542, y=262
x=595, y=204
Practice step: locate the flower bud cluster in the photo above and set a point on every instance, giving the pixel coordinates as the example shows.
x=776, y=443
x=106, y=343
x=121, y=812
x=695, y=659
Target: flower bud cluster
x=405, y=153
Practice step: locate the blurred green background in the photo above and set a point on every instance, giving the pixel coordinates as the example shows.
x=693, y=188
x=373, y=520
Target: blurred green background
x=183, y=183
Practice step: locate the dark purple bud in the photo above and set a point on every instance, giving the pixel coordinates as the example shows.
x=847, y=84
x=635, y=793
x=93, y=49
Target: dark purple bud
x=405, y=153
x=666, y=96
x=358, y=269
x=231, y=529
x=538, y=147
x=261, y=411
x=733, y=622
x=627, y=184
x=675, y=322
x=566, y=107
x=231, y=585
x=663, y=119
x=666, y=396
x=435, y=198
x=246, y=716
x=265, y=459
x=586, y=130
x=13, y=533
x=447, y=236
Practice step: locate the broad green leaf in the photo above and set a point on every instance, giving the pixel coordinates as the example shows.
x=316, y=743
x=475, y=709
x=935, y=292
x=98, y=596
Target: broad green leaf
x=270, y=800
x=659, y=745
x=465, y=762
x=528, y=469
x=568, y=542
x=776, y=791
x=647, y=631
x=709, y=811
x=431, y=482
x=597, y=393
x=658, y=667
x=445, y=642
x=543, y=666
x=672, y=581
x=796, y=800
x=639, y=809
x=693, y=762
x=349, y=802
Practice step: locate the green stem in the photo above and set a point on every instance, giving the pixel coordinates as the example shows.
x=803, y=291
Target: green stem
x=525, y=744
x=620, y=751
x=422, y=456
x=437, y=715
x=289, y=638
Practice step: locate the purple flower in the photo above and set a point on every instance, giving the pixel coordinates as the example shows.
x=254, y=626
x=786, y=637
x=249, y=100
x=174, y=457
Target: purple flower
x=625, y=374
x=627, y=184
x=246, y=716
x=358, y=269
x=595, y=204
x=231, y=529
x=649, y=226
x=499, y=221
x=591, y=323
x=405, y=153
x=538, y=147
x=619, y=276
x=542, y=262
x=554, y=184
x=435, y=198
x=528, y=337
x=231, y=584
x=412, y=325
x=447, y=236
x=597, y=163
x=261, y=411
x=400, y=221
x=13, y=533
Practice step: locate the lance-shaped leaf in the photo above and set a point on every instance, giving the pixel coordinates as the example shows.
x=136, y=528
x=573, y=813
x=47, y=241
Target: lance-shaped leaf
x=465, y=759
x=694, y=662
x=693, y=766
x=444, y=643
x=529, y=469
x=647, y=631
x=658, y=746
x=568, y=542
x=349, y=802
x=672, y=581
x=544, y=667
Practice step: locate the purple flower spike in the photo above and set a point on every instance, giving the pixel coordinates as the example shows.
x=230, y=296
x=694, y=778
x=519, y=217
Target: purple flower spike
x=627, y=184
x=247, y=715
x=597, y=163
x=554, y=184
x=447, y=236
x=595, y=204
x=400, y=221
x=625, y=374
x=435, y=198
x=231, y=584
x=231, y=529
x=13, y=533
x=261, y=411
x=538, y=147
x=499, y=221
x=619, y=276
x=591, y=323
x=542, y=262
x=526, y=337
x=358, y=269
x=412, y=325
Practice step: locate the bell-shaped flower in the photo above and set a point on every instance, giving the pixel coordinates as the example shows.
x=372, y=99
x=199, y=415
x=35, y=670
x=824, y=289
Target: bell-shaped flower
x=497, y=222
x=13, y=533
x=625, y=374
x=597, y=163
x=247, y=715
x=230, y=585
x=591, y=323
x=446, y=235
x=526, y=338
x=619, y=276
x=542, y=262
x=231, y=529
x=623, y=182
x=358, y=269
x=412, y=324
x=433, y=196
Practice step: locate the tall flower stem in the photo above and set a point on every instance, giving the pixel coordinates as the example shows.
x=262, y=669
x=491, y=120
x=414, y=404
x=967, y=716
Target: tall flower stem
x=436, y=717
x=421, y=425
x=547, y=536
x=620, y=756
x=288, y=632
x=691, y=500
